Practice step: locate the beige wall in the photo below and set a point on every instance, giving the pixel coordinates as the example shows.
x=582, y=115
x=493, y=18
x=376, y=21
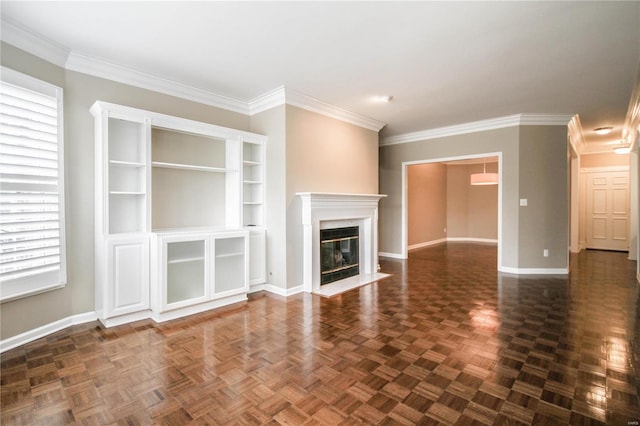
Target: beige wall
x=80, y=92
x=604, y=160
x=472, y=211
x=457, y=201
x=272, y=124
x=323, y=155
x=427, y=202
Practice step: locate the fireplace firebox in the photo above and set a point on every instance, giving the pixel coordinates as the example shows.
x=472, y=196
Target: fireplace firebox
x=339, y=256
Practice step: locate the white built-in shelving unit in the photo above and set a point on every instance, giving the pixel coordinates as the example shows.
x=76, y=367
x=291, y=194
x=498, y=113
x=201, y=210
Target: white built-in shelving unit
x=179, y=214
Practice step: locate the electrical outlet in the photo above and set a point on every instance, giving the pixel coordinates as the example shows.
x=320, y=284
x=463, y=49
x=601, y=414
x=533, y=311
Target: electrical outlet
x=545, y=252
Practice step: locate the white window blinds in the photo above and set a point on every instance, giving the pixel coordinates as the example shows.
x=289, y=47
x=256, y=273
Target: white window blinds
x=31, y=186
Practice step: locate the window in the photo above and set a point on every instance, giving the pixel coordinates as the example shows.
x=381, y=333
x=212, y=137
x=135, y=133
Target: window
x=32, y=243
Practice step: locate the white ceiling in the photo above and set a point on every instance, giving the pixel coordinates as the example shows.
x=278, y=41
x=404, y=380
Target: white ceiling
x=444, y=63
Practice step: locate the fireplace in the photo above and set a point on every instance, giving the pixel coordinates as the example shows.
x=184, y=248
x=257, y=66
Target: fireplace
x=354, y=248
x=339, y=258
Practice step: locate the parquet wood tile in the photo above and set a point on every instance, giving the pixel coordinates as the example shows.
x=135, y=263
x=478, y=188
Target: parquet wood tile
x=445, y=340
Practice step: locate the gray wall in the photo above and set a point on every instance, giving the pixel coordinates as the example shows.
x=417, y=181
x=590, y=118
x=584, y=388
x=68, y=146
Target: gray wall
x=544, y=182
x=539, y=172
x=80, y=92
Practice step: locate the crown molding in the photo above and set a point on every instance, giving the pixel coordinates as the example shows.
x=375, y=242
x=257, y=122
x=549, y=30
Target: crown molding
x=283, y=95
x=632, y=119
x=103, y=69
x=36, y=44
x=308, y=103
x=576, y=135
x=266, y=101
x=479, y=126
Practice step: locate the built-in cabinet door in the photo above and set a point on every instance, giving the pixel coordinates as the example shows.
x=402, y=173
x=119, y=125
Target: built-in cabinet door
x=128, y=275
x=230, y=264
x=185, y=270
x=257, y=257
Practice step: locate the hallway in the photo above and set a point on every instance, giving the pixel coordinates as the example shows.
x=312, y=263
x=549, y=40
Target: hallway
x=446, y=339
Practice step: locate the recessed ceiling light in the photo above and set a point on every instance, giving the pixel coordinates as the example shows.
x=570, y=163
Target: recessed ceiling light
x=603, y=130
x=383, y=98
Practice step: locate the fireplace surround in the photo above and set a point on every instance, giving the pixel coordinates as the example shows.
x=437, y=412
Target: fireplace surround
x=322, y=211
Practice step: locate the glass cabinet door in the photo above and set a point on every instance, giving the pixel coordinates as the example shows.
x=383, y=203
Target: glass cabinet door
x=230, y=268
x=186, y=273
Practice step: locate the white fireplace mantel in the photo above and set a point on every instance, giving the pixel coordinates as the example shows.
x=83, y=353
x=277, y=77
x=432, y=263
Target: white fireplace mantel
x=322, y=210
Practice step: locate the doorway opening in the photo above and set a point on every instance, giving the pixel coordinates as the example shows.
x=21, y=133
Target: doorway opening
x=438, y=231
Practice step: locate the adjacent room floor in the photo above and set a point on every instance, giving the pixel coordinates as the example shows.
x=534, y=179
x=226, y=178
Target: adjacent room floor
x=446, y=340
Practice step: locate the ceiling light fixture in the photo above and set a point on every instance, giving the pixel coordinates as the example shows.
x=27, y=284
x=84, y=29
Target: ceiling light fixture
x=484, y=178
x=603, y=130
x=622, y=148
x=383, y=98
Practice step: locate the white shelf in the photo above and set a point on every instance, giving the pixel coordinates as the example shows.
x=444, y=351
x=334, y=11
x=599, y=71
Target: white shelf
x=252, y=182
x=252, y=203
x=251, y=163
x=126, y=163
x=225, y=255
x=186, y=259
x=190, y=167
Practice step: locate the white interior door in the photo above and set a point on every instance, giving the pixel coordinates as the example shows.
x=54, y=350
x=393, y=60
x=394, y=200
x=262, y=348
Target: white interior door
x=608, y=210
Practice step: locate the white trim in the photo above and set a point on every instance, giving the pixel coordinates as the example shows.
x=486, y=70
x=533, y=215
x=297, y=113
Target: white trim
x=391, y=255
x=472, y=240
x=453, y=240
x=308, y=103
x=427, y=244
x=266, y=101
x=604, y=169
x=478, y=126
x=36, y=44
x=534, y=271
x=284, y=95
x=45, y=330
x=285, y=292
x=103, y=69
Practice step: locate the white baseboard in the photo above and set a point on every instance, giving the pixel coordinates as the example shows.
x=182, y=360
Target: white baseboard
x=256, y=288
x=45, y=330
x=391, y=255
x=534, y=271
x=283, y=291
x=472, y=240
x=452, y=239
x=427, y=244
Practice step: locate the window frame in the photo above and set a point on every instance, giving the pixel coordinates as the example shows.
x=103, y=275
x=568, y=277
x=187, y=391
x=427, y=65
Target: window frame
x=31, y=285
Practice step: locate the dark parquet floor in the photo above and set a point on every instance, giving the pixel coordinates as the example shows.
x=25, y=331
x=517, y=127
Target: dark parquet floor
x=446, y=340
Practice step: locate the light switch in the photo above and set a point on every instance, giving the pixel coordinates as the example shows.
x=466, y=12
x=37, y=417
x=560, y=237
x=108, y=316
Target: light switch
x=523, y=202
